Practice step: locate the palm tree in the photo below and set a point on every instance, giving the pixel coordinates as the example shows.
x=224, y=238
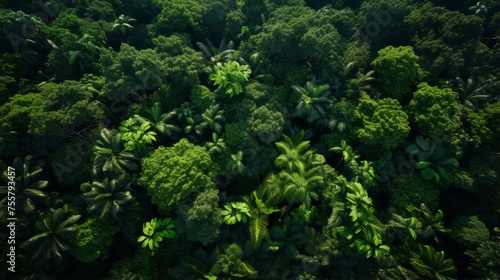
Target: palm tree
x=431, y=223
x=230, y=77
x=110, y=159
x=217, y=146
x=298, y=187
x=260, y=208
x=357, y=83
x=159, y=122
x=154, y=232
x=347, y=152
x=293, y=154
x=28, y=187
x=313, y=101
x=108, y=198
x=231, y=263
x=257, y=63
x=472, y=92
x=215, y=55
x=235, y=212
x=52, y=231
x=123, y=23
x=235, y=165
x=481, y=8
x=433, y=264
x=434, y=159
x=137, y=136
x=186, y=114
x=360, y=171
x=212, y=119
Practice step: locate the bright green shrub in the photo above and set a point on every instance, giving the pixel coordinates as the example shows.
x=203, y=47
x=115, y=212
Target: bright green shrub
x=172, y=174
x=436, y=111
x=397, y=70
x=383, y=122
x=230, y=77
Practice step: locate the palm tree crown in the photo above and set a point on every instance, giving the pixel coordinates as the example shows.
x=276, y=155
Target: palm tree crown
x=52, y=230
x=293, y=154
x=110, y=159
x=107, y=198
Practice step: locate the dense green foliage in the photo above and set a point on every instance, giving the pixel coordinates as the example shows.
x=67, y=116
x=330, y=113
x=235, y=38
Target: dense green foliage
x=252, y=139
x=436, y=111
x=92, y=240
x=384, y=122
x=172, y=174
x=397, y=69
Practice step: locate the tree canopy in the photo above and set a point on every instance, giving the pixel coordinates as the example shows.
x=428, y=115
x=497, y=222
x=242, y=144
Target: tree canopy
x=251, y=139
x=172, y=174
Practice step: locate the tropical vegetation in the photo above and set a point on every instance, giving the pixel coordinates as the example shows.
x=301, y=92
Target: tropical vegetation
x=232, y=139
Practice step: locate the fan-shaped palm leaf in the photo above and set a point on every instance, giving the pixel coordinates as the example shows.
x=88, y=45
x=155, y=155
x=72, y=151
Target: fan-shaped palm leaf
x=217, y=146
x=293, y=156
x=160, y=122
x=212, y=119
x=108, y=198
x=52, y=231
x=313, y=101
x=434, y=264
x=110, y=159
x=28, y=189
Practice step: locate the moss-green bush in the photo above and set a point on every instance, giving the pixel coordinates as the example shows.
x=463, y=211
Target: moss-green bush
x=92, y=239
x=469, y=230
x=202, y=97
x=411, y=191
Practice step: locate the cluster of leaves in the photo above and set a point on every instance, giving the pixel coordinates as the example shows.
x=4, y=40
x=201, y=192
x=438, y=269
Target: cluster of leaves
x=397, y=69
x=137, y=137
x=432, y=158
x=364, y=231
x=436, y=111
x=384, y=122
x=92, y=239
x=172, y=174
x=154, y=232
x=423, y=225
x=107, y=198
x=230, y=76
x=203, y=219
x=316, y=141
x=52, y=109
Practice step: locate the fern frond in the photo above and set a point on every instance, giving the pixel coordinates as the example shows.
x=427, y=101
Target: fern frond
x=258, y=230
